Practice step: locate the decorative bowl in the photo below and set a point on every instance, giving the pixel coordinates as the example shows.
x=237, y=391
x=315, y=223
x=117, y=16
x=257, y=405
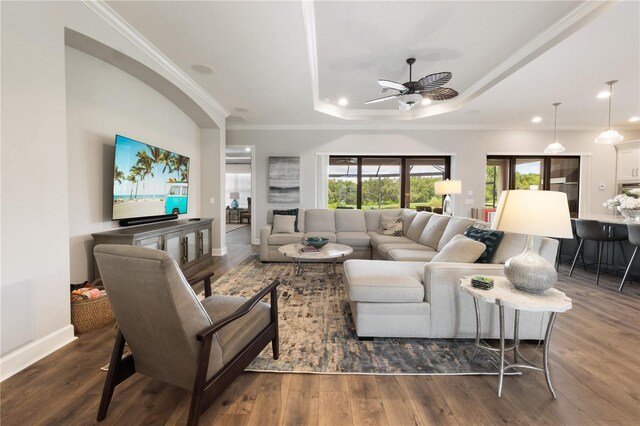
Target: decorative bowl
x=317, y=242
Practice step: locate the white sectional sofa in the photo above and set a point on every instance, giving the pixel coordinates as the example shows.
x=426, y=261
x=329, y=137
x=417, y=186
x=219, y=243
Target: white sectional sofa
x=393, y=287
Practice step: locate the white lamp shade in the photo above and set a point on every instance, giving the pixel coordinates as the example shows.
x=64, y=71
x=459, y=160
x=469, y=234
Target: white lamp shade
x=234, y=195
x=444, y=187
x=608, y=137
x=554, y=148
x=544, y=213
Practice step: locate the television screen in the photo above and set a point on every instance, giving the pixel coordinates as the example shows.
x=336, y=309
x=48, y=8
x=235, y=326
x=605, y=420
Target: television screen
x=148, y=181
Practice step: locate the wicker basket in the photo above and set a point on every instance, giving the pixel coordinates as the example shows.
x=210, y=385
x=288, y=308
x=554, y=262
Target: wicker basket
x=91, y=314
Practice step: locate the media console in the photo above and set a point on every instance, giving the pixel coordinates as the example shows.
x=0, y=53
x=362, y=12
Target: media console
x=188, y=241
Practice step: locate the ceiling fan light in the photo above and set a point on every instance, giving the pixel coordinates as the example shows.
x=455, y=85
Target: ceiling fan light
x=554, y=147
x=609, y=137
x=405, y=105
x=426, y=101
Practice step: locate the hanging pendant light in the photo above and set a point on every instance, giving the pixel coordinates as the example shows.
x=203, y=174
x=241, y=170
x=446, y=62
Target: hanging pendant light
x=609, y=136
x=555, y=147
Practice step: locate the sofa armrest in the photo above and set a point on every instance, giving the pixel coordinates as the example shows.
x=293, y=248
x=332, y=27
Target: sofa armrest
x=265, y=231
x=452, y=312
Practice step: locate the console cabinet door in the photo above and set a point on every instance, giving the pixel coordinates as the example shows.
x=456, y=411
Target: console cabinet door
x=204, y=237
x=190, y=244
x=173, y=244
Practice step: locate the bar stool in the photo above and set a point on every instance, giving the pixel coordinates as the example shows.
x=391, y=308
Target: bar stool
x=634, y=238
x=559, y=254
x=593, y=230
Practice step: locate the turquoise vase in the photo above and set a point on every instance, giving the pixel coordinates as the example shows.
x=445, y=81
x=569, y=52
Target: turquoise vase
x=234, y=204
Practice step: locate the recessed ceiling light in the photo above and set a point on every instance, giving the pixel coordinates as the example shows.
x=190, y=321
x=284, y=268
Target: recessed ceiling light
x=426, y=101
x=202, y=68
x=536, y=119
x=241, y=109
x=343, y=101
x=247, y=149
x=603, y=95
x=634, y=119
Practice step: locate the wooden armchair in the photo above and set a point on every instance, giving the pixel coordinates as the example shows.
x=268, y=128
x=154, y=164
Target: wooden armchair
x=173, y=337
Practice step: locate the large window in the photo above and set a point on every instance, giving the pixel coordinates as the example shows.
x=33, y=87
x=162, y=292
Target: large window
x=380, y=182
x=533, y=173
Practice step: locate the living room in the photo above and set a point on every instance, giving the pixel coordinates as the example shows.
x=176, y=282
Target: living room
x=75, y=74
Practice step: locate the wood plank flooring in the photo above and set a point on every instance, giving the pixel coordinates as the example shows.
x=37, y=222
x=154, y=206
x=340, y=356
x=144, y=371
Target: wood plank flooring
x=595, y=364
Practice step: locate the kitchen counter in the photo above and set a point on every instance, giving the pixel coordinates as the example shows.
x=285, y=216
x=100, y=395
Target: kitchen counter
x=609, y=218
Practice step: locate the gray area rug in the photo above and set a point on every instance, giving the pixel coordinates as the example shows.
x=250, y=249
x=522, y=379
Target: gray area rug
x=317, y=334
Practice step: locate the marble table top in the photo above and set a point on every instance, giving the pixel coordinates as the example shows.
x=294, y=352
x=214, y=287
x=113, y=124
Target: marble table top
x=505, y=294
x=329, y=251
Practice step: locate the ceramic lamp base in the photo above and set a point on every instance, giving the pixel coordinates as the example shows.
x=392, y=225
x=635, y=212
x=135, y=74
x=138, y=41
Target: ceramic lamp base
x=528, y=271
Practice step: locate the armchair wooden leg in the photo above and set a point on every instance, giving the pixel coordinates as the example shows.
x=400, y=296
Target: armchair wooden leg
x=195, y=408
x=275, y=343
x=118, y=372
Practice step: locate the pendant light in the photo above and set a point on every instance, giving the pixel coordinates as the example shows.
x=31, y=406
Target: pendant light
x=555, y=147
x=609, y=136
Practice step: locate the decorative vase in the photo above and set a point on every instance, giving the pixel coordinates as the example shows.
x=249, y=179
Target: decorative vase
x=234, y=204
x=528, y=271
x=630, y=214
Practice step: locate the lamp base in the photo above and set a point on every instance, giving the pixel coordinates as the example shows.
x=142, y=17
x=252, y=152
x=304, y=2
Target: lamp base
x=447, y=208
x=528, y=271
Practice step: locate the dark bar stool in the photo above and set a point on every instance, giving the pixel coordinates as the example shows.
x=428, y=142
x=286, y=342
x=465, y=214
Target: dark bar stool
x=634, y=238
x=559, y=254
x=595, y=231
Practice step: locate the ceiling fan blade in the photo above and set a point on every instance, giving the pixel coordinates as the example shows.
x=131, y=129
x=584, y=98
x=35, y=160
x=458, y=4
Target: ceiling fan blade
x=440, y=94
x=375, y=101
x=392, y=85
x=432, y=81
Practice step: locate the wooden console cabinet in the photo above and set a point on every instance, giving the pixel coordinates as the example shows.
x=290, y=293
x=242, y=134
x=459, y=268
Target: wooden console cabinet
x=188, y=241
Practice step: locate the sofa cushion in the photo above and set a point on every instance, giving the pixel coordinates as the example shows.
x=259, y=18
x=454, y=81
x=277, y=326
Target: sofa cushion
x=385, y=282
x=417, y=225
x=385, y=248
x=378, y=238
x=319, y=220
x=330, y=235
x=372, y=217
x=354, y=239
x=290, y=212
x=434, y=230
x=490, y=238
x=456, y=226
x=460, y=249
x=283, y=224
x=300, y=223
x=404, y=255
x=512, y=244
x=391, y=225
x=407, y=218
x=284, y=239
x=350, y=220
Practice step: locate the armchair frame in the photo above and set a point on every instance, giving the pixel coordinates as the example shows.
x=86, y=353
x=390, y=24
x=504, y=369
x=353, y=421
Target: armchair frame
x=204, y=391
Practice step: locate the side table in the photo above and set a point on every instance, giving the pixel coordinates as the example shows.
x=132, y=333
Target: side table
x=504, y=294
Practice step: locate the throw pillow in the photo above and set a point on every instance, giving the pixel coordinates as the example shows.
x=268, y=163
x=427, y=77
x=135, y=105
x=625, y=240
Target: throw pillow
x=489, y=238
x=290, y=212
x=391, y=225
x=283, y=224
x=460, y=249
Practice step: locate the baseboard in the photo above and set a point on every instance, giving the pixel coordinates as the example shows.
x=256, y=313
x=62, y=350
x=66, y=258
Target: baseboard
x=19, y=359
x=219, y=252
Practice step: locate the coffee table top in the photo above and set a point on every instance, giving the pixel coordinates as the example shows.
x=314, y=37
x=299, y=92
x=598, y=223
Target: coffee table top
x=329, y=251
x=505, y=294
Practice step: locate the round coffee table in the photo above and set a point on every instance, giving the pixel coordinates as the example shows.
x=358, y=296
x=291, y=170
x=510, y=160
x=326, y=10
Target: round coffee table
x=330, y=252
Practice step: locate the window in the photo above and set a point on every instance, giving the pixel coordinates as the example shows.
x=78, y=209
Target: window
x=533, y=173
x=380, y=182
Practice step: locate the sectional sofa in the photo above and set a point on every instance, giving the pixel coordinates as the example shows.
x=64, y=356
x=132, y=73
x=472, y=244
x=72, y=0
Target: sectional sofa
x=394, y=289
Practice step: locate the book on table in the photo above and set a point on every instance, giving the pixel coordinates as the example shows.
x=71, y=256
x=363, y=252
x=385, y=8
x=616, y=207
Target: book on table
x=309, y=249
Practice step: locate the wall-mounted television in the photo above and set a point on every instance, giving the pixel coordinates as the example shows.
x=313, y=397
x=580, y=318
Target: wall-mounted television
x=148, y=182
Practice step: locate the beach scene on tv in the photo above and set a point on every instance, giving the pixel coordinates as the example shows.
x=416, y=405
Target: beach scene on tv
x=148, y=181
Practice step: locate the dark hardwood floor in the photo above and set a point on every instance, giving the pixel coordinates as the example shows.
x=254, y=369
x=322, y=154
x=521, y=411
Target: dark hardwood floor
x=595, y=364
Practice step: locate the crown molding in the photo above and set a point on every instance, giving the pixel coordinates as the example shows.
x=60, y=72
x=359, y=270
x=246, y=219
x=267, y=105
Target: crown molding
x=100, y=8
x=566, y=26
x=404, y=126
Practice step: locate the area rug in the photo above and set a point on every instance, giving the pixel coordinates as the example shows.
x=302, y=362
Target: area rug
x=317, y=334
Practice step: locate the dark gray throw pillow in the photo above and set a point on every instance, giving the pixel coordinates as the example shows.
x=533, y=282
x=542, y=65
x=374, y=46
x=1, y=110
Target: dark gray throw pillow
x=290, y=212
x=489, y=238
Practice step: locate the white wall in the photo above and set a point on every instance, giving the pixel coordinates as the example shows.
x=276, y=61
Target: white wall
x=119, y=104
x=468, y=162
x=35, y=172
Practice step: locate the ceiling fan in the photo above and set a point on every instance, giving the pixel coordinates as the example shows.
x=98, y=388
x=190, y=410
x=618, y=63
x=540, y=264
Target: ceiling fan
x=411, y=93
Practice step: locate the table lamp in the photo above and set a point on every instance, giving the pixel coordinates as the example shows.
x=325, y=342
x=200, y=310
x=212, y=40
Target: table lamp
x=542, y=213
x=446, y=188
x=234, y=196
